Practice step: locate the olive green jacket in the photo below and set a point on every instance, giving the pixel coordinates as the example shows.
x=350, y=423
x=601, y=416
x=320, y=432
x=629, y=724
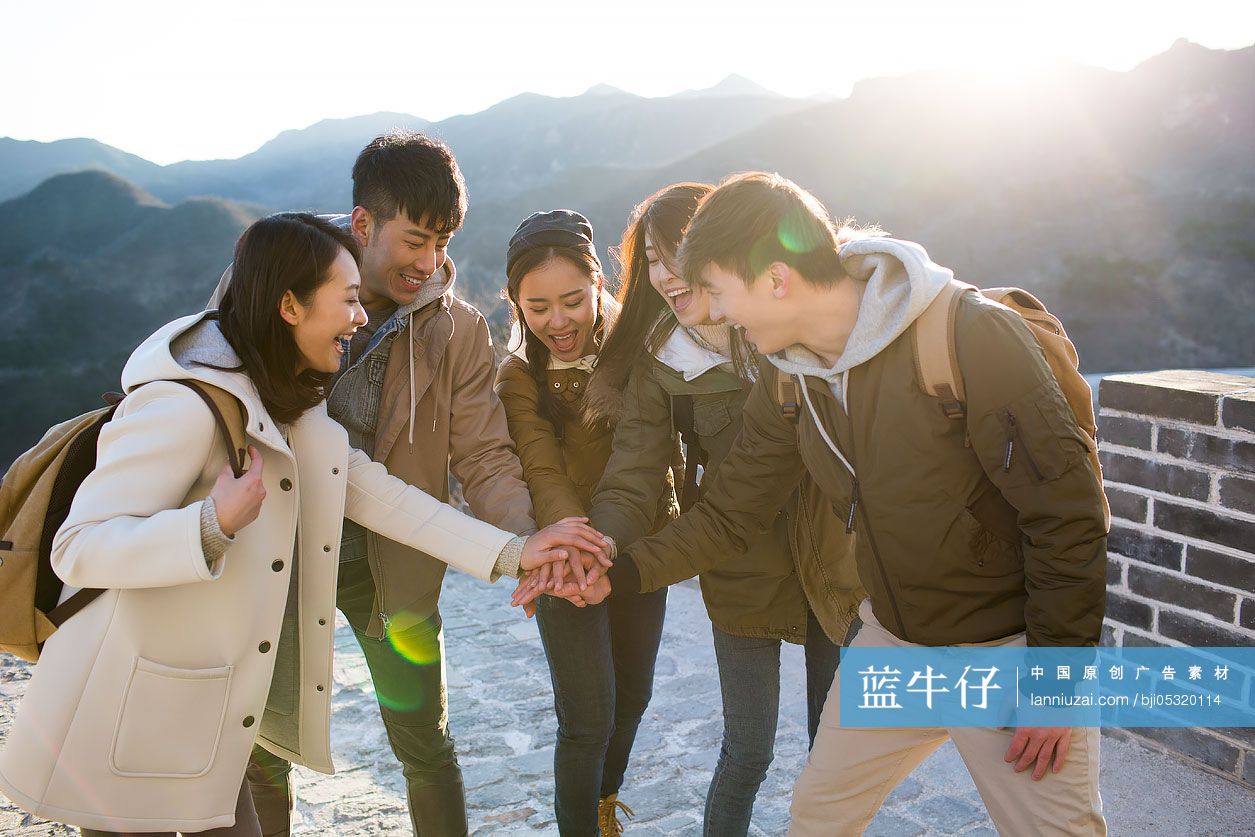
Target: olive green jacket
x=762, y=587
x=967, y=531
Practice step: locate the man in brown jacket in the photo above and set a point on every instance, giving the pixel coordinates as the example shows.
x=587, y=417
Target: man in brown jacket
x=416, y=393
x=985, y=531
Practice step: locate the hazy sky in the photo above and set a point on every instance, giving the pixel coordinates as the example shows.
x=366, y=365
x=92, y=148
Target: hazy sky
x=171, y=80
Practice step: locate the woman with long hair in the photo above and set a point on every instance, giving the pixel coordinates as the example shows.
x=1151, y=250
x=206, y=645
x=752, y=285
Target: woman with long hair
x=601, y=657
x=145, y=705
x=667, y=371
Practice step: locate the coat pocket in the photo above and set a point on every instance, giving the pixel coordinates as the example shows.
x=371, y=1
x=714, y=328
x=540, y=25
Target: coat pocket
x=171, y=720
x=710, y=416
x=990, y=554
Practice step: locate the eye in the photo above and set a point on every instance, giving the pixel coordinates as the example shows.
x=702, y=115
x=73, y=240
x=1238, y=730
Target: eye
x=536, y=310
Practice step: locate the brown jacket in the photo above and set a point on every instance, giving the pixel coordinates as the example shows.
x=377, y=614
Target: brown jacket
x=761, y=588
x=967, y=531
x=459, y=427
x=562, y=467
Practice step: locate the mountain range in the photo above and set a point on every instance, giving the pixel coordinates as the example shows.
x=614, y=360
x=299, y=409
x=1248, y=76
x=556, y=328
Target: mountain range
x=1125, y=200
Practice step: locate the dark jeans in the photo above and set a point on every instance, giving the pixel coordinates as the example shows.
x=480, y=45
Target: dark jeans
x=245, y=823
x=407, y=669
x=601, y=662
x=749, y=677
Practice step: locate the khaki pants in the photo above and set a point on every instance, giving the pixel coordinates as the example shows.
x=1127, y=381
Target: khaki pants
x=851, y=771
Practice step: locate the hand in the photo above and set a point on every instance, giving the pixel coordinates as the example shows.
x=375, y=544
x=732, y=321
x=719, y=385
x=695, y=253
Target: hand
x=1038, y=744
x=595, y=593
x=238, y=502
x=547, y=545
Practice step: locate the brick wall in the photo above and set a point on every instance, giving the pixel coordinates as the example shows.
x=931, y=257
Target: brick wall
x=1178, y=454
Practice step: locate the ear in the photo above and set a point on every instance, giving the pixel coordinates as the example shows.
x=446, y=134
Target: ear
x=290, y=308
x=781, y=277
x=361, y=225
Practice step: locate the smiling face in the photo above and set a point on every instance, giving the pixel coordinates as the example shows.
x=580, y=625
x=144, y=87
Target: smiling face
x=758, y=308
x=321, y=329
x=399, y=257
x=691, y=306
x=559, y=305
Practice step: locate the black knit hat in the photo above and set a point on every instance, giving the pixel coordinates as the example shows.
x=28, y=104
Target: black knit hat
x=555, y=228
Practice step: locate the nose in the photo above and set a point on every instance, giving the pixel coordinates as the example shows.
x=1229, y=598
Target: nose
x=426, y=261
x=359, y=315
x=716, y=313
x=558, y=319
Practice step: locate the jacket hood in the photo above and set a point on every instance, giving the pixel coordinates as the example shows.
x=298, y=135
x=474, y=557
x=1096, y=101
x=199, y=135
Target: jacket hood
x=685, y=355
x=901, y=282
x=190, y=348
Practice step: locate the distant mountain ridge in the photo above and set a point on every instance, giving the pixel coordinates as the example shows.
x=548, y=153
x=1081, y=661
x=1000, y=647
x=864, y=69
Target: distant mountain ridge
x=1125, y=200
x=503, y=149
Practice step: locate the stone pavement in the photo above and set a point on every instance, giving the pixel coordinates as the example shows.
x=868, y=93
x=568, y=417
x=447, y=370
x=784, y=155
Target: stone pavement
x=502, y=715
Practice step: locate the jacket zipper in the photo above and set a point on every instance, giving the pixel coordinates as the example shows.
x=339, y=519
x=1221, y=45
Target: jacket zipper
x=855, y=506
x=871, y=536
x=1013, y=434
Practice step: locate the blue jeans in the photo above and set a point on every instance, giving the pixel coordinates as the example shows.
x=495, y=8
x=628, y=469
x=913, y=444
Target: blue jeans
x=601, y=662
x=749, y=677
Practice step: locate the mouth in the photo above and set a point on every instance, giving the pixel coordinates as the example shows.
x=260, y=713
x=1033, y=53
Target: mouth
x=342, y=342
x=679, y=299
x=565, y=342
x=413, y=281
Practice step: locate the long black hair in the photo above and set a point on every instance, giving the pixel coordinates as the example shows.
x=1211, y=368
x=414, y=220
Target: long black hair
x=290, y=251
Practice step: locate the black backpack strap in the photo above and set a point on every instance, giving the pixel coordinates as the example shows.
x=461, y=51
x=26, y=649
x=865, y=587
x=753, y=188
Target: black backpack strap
x=682, y=416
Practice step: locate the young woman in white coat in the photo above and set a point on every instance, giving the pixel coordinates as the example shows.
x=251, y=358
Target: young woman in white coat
x=144, y=706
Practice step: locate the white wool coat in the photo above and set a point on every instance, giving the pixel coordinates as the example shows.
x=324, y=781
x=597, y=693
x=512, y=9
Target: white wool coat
x=144, y=706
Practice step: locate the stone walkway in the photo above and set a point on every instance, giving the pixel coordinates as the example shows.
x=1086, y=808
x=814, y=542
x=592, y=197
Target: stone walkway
x=502, y=715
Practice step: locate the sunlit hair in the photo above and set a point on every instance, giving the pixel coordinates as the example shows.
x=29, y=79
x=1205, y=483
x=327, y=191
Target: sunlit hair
x=645, y=321
x=757, y=218
x=413, y=173
x=291, y=251
x=552, y=409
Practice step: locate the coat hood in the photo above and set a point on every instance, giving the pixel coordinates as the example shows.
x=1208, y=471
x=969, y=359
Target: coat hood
x=901, y=282
x=685, y=355
x=193, y=347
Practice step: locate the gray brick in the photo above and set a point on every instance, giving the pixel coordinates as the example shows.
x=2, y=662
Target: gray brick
x=1248, y=770
x=1177, y=480
x=1126, y=611
x=1238, y=494
x=1115, y=573
x=1126, y=504
x=1108, y=638
x=1205, y=525
x=1128, y=432
x=1182, y=593
x=1239, y=413
x=1198, y=633
x=1135, y=640
x=1196, y=744
x=1223, y=569
x=1142, y=546
x=1151, y=400
x=1247, y=617
x=1206, y=449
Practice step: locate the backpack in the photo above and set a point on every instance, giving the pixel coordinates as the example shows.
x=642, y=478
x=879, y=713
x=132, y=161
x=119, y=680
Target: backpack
x=35, y=498
x=937, y=366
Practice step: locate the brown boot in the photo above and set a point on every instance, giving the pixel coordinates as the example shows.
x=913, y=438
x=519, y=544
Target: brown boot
x=608, y=815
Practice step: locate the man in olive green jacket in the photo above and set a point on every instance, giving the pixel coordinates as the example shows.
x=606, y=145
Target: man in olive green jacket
x=985, y=531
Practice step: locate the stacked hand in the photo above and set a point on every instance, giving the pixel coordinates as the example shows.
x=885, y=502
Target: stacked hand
x=569, y=562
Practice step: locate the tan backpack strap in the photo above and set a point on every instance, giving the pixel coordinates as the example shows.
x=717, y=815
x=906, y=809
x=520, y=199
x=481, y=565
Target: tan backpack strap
x=936, y=362
x=786, y=395
x=229, y=415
